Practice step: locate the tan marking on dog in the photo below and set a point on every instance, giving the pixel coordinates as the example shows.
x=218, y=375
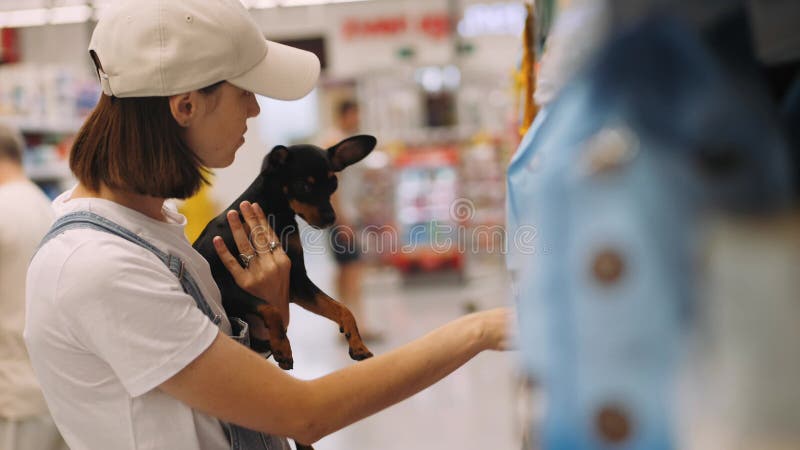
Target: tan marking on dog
x=331, y=174
x=309, y=213
x=285, y=190
x=311, y=180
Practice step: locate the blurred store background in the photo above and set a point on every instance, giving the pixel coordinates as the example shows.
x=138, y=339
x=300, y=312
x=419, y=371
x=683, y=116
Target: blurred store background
x=647, y=216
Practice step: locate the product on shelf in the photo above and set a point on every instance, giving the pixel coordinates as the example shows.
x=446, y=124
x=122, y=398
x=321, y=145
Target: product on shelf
x=426, y=223
x=47, y=104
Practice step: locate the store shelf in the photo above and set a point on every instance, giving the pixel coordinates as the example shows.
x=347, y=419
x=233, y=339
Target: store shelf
x=421, y=136
x=52, y=171
x=36, y=126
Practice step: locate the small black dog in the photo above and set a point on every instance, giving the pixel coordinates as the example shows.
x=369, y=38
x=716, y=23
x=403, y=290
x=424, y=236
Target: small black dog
x=295, y=180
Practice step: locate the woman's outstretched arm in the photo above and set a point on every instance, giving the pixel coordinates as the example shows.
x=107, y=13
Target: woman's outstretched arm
x=235, y=384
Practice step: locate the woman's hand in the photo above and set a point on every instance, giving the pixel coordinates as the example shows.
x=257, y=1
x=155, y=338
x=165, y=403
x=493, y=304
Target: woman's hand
x=267, y=273
x=497, y=329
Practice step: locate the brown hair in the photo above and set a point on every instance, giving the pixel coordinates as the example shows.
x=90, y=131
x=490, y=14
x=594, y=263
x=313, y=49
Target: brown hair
x=135, y=144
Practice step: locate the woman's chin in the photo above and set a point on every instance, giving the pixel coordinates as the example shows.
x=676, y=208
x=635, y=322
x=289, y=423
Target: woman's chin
x=221, y=164
x=224, y=161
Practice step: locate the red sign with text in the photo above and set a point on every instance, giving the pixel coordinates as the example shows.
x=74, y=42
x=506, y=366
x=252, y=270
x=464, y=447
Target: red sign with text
x=435, y=26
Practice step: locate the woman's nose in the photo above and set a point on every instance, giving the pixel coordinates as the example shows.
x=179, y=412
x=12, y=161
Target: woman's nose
x=252, y=107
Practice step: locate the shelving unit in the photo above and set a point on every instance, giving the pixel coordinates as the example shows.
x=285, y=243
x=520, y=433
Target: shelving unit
x=46, y=158
x=47, y=105
x=47, y=151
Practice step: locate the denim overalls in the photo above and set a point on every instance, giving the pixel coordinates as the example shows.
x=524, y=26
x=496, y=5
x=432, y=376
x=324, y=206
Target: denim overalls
x=241, y=438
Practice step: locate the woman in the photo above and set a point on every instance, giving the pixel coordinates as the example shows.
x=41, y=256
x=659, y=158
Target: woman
x=124, y=350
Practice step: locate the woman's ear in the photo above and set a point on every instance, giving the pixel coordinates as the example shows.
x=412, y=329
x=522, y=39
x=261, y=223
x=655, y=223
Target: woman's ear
x=183, y=108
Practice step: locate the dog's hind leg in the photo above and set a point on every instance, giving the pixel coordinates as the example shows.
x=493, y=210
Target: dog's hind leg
x=278, y=341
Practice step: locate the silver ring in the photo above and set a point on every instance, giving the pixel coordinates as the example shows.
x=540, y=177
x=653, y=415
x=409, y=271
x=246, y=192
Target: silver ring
x=245, y=259
x=272, y=246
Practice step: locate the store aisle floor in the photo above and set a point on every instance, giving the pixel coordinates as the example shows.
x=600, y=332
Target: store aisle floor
x=470, y=410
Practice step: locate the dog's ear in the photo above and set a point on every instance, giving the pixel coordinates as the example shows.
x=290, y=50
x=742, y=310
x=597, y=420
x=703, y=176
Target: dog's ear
x=350, y=151
x=276, y=158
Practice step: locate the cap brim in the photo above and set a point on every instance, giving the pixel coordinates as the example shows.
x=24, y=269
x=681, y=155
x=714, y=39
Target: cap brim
x=285, y=73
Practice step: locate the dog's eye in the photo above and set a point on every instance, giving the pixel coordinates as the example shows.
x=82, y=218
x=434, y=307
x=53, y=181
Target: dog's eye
x=301, y=187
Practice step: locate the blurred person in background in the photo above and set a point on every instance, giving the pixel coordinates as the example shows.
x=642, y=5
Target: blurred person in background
x=25, y=217
x=344, y=242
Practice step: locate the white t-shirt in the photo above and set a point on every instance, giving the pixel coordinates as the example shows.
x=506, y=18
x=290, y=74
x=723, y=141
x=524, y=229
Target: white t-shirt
x=107, y=323
x=25, y=217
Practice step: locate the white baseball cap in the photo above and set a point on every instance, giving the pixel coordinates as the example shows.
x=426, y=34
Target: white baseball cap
x=147, y=48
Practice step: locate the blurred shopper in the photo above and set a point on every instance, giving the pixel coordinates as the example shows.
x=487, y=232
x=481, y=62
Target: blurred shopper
x=25, y=216
x=344, y=241
x=125, y=325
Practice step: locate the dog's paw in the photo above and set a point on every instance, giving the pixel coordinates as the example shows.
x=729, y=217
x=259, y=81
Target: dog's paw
x=285, y=363
x=360, y=354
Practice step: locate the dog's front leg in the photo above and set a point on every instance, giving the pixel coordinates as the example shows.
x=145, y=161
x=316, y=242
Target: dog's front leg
x=313, y=299
x=307, y=295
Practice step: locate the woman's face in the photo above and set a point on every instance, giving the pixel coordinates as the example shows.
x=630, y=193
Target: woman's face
x=216, y=123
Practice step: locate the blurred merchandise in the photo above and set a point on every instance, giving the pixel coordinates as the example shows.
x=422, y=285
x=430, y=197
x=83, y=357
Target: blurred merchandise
x=375, y=204
x=46, y=162
x=46, y=98
x=48, y=105
x=579, y=31
x=665, y=125
x=434, y=104
x=483, y=180
x=427, y=189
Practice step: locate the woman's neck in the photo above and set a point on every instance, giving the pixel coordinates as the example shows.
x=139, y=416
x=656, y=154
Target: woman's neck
x=147, y=205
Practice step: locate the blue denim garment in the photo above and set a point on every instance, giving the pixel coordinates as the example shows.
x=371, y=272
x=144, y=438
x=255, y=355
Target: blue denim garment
x=686, y=143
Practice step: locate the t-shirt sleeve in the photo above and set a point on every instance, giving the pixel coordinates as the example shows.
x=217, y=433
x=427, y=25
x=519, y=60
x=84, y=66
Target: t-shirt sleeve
x=123, y=304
